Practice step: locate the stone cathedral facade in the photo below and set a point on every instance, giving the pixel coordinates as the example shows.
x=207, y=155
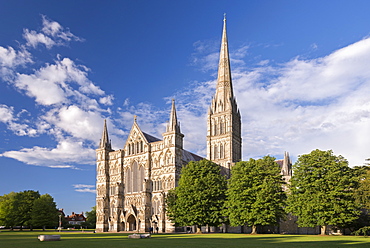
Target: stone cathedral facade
x=132, y=182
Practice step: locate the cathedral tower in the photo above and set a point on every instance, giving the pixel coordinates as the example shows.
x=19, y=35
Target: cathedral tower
x=102, y=184
x=224, y=121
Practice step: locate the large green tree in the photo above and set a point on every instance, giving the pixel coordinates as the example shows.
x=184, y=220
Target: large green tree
x=23, y=206
x=7, y=217
x=199, y=198
x=255, y=195
x=322, y=191
x=15, y=208
x=44, y=212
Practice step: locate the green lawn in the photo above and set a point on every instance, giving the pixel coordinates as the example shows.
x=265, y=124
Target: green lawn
x=11, y=239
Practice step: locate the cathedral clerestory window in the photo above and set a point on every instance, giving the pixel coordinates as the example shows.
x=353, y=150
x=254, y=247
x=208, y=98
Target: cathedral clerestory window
x=134, y=178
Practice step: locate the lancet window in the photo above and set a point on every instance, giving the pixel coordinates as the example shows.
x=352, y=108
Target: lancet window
x=134, y=178
x=222, y=153
x=112, y=190
x=156, y=204
x=215, y=150
x=157, y=185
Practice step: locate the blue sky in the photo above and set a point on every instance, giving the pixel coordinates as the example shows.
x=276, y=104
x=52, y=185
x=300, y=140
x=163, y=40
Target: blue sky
x=300, y=74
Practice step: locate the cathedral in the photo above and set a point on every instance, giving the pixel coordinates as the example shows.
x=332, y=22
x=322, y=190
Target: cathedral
x=132, y=182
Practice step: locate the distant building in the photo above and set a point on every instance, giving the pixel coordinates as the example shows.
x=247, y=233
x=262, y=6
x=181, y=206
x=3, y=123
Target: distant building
x=132, y=182
x=75, y=219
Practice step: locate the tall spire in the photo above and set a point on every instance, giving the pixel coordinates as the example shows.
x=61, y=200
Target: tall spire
x=224, y=120
x=105, y=142
x=224, y=72
x=173, y=124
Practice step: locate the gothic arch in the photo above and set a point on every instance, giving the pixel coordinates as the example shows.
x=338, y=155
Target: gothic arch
x=170, y=182
x=156, y=203
x=168, y=157
x=222, y=150
x=215, y=150
x=161, y=159
x=134, y=177
x=131, y=223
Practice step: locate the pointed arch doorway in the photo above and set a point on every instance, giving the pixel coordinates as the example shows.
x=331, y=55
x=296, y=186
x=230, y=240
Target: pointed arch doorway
x=131, y=222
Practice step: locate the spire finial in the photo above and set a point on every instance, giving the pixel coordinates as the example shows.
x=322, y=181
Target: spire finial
x=135, y=118
x=173, y=124
x=224, y=72
x=105, y=142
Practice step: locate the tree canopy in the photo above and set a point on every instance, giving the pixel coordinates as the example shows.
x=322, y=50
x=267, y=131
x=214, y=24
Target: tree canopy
x=91, y=217
x=254, y=194
x=23, y=207
x=44, y=212
x=322, y=191
x=7, y=217
x=362, y=193
x=18, y=209
x=199, y=197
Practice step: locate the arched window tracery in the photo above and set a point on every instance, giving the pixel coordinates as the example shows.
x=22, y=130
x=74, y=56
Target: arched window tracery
x=134, y=178
x=222, y=153
x=215, y=150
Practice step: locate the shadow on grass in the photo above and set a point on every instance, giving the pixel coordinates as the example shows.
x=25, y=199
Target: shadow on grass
x=107, y=240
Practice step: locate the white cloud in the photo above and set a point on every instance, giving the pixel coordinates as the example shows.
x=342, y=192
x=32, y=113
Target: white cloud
x=84, y=188
x=77, y=122
x=11, y=58
x=206, y=55
x=52, y=34
x=12, y=122
x=67, y=152
x=68, y=102
x=107, y=100
x=54, y=83
x=50, y=27
x=45, y=91
x=6, y=113
x=308, y=104
x=22, y=129
x=54, y=29
x=33, y=39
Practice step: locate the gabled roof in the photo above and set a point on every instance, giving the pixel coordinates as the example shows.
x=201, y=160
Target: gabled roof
x=75, y=217
x=150, y=138
x=135, y=128
x=189, y=156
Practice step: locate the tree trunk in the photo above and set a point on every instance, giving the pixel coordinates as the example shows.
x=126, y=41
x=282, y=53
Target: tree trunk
x=254, y=229
x=323, y=230
x=31, y=228
x=199, y=229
